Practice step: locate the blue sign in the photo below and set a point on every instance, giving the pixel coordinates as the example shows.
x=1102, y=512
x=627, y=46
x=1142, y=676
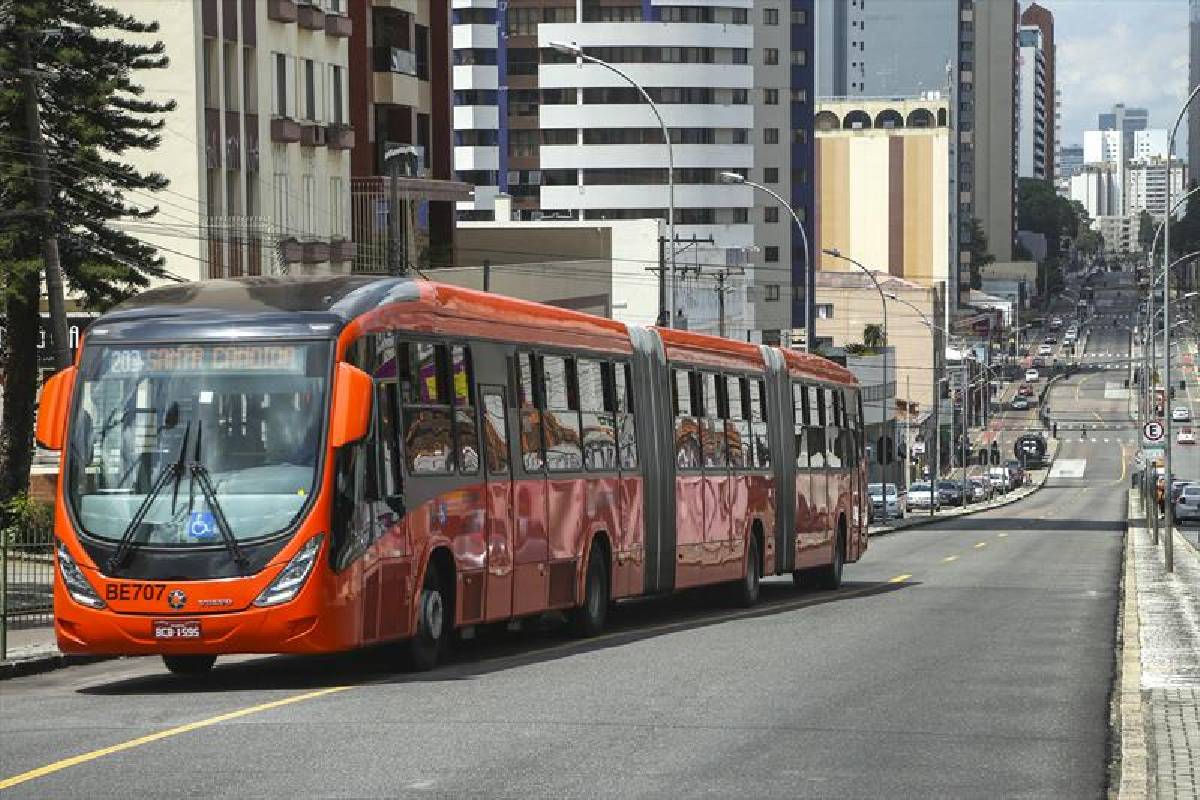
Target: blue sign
x=201, y=526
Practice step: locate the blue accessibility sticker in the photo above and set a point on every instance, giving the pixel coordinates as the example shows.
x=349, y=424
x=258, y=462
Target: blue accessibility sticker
x=201, y=526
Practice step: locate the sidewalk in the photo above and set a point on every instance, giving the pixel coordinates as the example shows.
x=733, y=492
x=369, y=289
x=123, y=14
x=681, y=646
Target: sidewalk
x=1158, y=699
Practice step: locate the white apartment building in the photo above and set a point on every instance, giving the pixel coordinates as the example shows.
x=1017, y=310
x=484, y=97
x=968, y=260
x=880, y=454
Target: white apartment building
x=1099, y=187
x=1146, y=186
x=1103, y=147
x=1031, y=104
x=570, y=140
x=1150, y=143
x=257, y=150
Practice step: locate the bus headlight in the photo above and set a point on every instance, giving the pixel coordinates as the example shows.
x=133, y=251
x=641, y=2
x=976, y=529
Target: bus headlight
x=76, y=584
x=287, y=584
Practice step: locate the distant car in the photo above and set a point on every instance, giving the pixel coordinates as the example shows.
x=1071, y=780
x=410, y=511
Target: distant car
x=1045, y=350
x=981, y=489
x=1016, y=472
x=1186, y=436
x=998, y=477
x=1050, y=340
x=1056, y=323
x=1025, y=390
x=886, y=506
x=951, y=493
x=920, y=495
x=1181, y=414
x=1031, y=375
x=1020, y=403
x=1187, y=503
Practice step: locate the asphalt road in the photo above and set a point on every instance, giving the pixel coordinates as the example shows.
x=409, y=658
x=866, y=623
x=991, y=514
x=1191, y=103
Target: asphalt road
x=969, y=658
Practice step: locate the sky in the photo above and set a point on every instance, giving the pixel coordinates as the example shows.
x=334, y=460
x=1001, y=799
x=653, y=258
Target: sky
x=1111, y=51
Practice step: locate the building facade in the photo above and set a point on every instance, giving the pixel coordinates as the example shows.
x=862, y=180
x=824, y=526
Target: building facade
x=1126, y=120
x=257, y=149
x=1041, y=18
x=1146, y=186
x=881, y=169
x=992, y=139
x=1067, y=164
x=1099, y=187
x=1193, y=80
x=1032, y=130
x=568, y=140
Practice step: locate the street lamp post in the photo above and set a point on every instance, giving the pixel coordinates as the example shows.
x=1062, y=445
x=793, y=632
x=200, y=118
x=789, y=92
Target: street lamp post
x=834, y=253
x=810, y=282
x=1168, y=511
x=936, y=384
x=574, y=49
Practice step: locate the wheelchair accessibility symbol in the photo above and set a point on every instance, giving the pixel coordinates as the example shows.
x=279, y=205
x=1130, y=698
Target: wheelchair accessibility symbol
x=201, y=526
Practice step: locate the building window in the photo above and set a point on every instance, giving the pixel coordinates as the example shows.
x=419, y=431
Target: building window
x=799, y=95
x=771, y=97
x=337, y=201
x=800, y=58
x=771, y=254
x=250, y=79
x=310, y=205
x=770, y=174
x=770, y=56
x=283, y=103
x=337, y=113
x=799, y=17
x=231, y=77
x=310, y=90
x=800, y=136
x=770, y=135
x=280, y=187
x=212, y=88
x=771, y=215
x=770, y=16
x=772, y=293
x=824, y=310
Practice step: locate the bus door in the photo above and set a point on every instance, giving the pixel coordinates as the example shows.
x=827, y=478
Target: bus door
x=498, y=591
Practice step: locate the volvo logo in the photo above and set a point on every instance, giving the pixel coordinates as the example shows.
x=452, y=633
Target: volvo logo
x=177, y=599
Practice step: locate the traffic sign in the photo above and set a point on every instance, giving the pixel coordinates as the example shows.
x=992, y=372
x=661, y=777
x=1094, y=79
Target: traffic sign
x=1153, y=431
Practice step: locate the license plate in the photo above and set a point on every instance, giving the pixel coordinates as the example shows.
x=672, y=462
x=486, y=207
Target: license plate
x=177, y=629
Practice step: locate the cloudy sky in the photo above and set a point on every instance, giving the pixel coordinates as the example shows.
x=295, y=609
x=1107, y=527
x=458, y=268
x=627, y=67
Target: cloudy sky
x=1109, y=51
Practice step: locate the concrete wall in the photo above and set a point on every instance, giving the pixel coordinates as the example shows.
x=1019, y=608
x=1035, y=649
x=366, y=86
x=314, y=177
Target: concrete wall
x=994, y=125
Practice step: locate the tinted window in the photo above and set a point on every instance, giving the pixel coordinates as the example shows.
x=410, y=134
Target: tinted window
x=424, y=386
x=626, y=426
x=530, y=417
x=687, y=434
x=560, y=423
x=596, y=402
x=712, y=426
x=737, y=429
x=758, y=424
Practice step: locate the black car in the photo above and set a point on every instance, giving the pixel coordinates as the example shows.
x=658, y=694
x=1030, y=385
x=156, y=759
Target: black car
x=950, y=493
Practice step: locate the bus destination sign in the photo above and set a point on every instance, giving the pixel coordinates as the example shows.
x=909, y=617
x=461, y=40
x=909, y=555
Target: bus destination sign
x=208, y=359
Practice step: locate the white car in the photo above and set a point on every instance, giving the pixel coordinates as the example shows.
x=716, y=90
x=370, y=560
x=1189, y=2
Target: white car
x=1045, y=350
x=1186, y=436
x=920, y=495
x=1181, y=414
x=1031, y=375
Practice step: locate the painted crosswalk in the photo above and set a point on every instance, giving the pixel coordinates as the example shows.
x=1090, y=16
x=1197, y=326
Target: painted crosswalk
x=1068, y=468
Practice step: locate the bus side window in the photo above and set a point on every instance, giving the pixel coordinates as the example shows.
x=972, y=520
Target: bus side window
x=737, y=429
x=687, y=438
x=424, y=381
x=833, y=427
x=816, y=427
x=712, y=426
x=386, y=409
x=560, y=423
x=758, y=424
x=597, y=405
x=626, y=425
x=798, y=412
x=528, y=404
x=465, y=436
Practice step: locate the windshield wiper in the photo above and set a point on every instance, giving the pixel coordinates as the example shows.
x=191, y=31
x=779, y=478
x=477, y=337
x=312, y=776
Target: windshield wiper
x=126, y=545
x=201, y=476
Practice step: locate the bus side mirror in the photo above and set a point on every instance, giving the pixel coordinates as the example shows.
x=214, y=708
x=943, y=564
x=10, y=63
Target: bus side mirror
x=53, y=406
x=351, y=412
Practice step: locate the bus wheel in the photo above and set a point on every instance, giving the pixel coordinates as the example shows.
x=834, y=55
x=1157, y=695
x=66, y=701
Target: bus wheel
x=189, y=665
x=830, y=576
x=429, y=641
x=588, y=619
x=748, y=586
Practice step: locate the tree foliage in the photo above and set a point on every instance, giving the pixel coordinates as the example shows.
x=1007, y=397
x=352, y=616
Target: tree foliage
x=873, y=337
x=93, y=117
x=980, y=257
x=1146, y=227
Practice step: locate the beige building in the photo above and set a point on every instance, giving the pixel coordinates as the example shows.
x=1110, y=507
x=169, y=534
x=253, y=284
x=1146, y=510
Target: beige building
x=992, y=137
x=883, y=186
x=847, y=302
x=257, y=151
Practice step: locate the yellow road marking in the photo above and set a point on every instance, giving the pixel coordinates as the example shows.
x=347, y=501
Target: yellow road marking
x=948, y=559
x=980, y=545
x=154, y=737
x=899, y=579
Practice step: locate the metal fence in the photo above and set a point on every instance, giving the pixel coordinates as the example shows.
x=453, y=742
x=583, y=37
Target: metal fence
x=26, y=590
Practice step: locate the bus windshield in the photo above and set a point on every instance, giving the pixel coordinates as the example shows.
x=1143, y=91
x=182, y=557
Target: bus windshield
x=249, y=414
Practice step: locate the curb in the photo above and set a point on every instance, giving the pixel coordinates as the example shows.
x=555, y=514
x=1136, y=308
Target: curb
x=35, y=665
x=1130, y=757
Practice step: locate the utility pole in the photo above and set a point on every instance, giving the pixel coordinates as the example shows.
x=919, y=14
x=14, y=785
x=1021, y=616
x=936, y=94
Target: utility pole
x=667, y=315
x=487, y=274
x=966, y=407
x=721, y=303
x=396, y=158
x=50, y=255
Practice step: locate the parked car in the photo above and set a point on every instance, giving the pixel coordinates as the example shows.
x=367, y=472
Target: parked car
x=1186, y=436
x=981, y=489
x=999, y=478
x=1016, y=472
x=1025, y=390
x=1187, y=503
x=1181, y=414
x=1177, y=487
x=1031, y=375
x=886, y=505
x=920, y=495
x=1045, y=350
x=1020, y=403
x=1038, y=361
x=1050, y=340
x=951, y=493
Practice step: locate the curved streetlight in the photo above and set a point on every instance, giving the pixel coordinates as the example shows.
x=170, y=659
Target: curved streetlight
x=574, y=49
x=810, y=283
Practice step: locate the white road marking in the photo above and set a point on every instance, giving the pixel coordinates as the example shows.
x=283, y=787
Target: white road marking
x=1069, y=468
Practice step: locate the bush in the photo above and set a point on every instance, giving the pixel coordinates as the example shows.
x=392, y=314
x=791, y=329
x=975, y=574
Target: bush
x=27, y=520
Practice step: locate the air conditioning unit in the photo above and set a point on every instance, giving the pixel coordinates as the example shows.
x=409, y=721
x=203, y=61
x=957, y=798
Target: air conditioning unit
x=312, y=136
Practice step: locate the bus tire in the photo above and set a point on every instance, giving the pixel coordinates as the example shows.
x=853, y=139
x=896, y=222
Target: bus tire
x=189, y=665
x=748, y=587
x=428, y=643
x=587, y=619
x=830, y=575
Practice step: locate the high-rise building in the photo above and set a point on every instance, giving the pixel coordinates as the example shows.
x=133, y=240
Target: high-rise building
x=1104, y=147
x=401, y=105
x=1032, y=130
x=570, y=140
x=1146, y=185
x=257, y=149
x=1151, y=143
x=993, y=136
x=1193, y=80
x=1099, y=188
x=1041, y=18
x=1068, y=162
x=1125, y=120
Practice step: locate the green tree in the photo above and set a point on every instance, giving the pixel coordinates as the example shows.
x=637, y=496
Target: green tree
x=1146, y=228
x=93, y=116
x=980, y=257
x=873, y=337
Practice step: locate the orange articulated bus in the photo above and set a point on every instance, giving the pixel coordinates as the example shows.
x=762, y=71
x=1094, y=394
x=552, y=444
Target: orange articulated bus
x=309, y=465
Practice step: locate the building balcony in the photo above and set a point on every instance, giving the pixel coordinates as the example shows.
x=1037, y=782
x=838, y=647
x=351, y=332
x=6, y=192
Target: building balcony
x=312, y=135
x=401, y=90
x=282, y=10
x=285, y=130
x=341, y=250
x=339, y=26
x=291, y=251
x=339, y=137
x=315, y=252
x=394, y=59
x=310, y=17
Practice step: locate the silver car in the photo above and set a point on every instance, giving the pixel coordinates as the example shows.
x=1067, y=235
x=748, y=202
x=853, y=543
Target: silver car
x=1187, y=505
x=885, y=506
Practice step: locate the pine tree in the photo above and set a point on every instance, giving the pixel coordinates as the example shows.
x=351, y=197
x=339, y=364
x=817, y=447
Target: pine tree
x=85, y=56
